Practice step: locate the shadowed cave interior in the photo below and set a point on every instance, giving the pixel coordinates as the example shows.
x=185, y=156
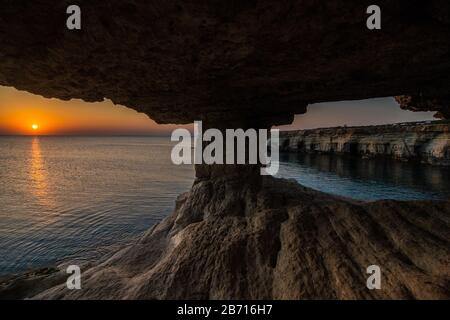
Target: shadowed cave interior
x=235, y=234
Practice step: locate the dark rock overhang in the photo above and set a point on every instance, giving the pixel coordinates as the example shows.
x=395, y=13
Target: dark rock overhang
x=227, y=61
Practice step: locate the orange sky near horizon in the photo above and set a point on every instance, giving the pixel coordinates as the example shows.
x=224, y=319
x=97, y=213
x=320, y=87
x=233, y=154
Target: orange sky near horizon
x=20, y=110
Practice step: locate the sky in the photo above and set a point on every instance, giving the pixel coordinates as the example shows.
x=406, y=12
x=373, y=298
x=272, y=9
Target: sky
x=20, y=110
x=356, y=113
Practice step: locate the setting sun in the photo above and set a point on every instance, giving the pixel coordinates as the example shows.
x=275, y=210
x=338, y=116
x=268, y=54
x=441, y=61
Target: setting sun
x=21, y=112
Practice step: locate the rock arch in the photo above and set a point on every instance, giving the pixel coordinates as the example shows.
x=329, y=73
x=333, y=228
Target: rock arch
x=249, y=65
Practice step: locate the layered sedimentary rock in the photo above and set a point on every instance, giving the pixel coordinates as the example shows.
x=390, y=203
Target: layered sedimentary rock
x=428, y=142
x=245, y=64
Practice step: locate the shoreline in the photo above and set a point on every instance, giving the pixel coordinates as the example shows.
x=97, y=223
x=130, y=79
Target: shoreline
x=282, y=221
x=425, y=142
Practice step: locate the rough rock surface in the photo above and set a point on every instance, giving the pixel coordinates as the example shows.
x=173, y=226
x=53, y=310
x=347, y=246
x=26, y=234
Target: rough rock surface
x=30, y=283
x=271, y=238
x=428, y=142
x=420, y=103
x=226, y=61
x=246, y=64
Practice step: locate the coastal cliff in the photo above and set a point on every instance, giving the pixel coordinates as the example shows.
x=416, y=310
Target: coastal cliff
x=427, y=142
x=238, y=64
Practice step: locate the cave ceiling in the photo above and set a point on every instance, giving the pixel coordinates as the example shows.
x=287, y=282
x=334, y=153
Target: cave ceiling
x=225, y=61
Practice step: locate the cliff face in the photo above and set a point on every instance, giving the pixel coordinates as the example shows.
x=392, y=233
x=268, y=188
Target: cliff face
x=428, y=142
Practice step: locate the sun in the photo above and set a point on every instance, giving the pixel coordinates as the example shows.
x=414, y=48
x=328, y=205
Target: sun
x=34, y=126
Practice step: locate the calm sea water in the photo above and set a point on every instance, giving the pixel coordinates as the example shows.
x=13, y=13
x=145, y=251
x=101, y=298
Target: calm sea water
x=367, y=179
x=74, y=197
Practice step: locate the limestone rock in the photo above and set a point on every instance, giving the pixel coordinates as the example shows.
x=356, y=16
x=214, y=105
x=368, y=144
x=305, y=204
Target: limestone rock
x=28, y=284
x=421, y=103
x=273, y=239
x=428, y=142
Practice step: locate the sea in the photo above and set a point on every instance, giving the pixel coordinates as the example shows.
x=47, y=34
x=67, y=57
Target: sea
x=78, y=197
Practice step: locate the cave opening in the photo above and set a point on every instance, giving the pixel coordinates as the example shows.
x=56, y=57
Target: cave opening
x=352, y=148
x=418, y=151
x=285, y=145
x=163, y=61
x=301, y=146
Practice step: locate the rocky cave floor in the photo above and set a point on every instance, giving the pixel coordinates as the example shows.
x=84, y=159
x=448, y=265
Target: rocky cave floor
x=267, y=238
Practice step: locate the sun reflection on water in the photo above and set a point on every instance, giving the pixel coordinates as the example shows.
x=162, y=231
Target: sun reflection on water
x=38, y=175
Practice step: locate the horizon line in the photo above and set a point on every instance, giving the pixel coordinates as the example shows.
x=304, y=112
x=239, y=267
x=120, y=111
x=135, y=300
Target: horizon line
x=168, y=134
x=84, y=135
